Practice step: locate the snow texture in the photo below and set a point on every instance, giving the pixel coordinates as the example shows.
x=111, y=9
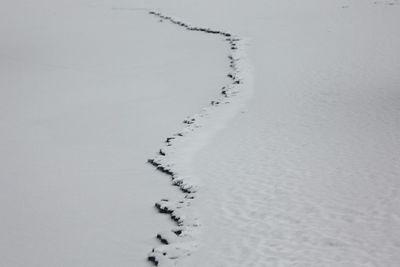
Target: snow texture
x=309, y=176
x=172, y=160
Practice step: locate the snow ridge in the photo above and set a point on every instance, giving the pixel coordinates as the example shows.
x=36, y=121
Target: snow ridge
x=174, y=157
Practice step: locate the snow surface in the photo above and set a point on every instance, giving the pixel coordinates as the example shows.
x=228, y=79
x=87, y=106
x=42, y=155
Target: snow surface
x=305, y=174
x=88, y=92
x=175, y=158
x=308, y=174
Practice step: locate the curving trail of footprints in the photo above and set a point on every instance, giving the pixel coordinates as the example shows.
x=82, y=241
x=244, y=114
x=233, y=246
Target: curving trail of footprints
x=179, y=242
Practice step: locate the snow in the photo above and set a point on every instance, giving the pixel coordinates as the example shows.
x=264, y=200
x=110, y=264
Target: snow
x=300, y=168
x=88, y=94
x=175, y=158
x=308, y=176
